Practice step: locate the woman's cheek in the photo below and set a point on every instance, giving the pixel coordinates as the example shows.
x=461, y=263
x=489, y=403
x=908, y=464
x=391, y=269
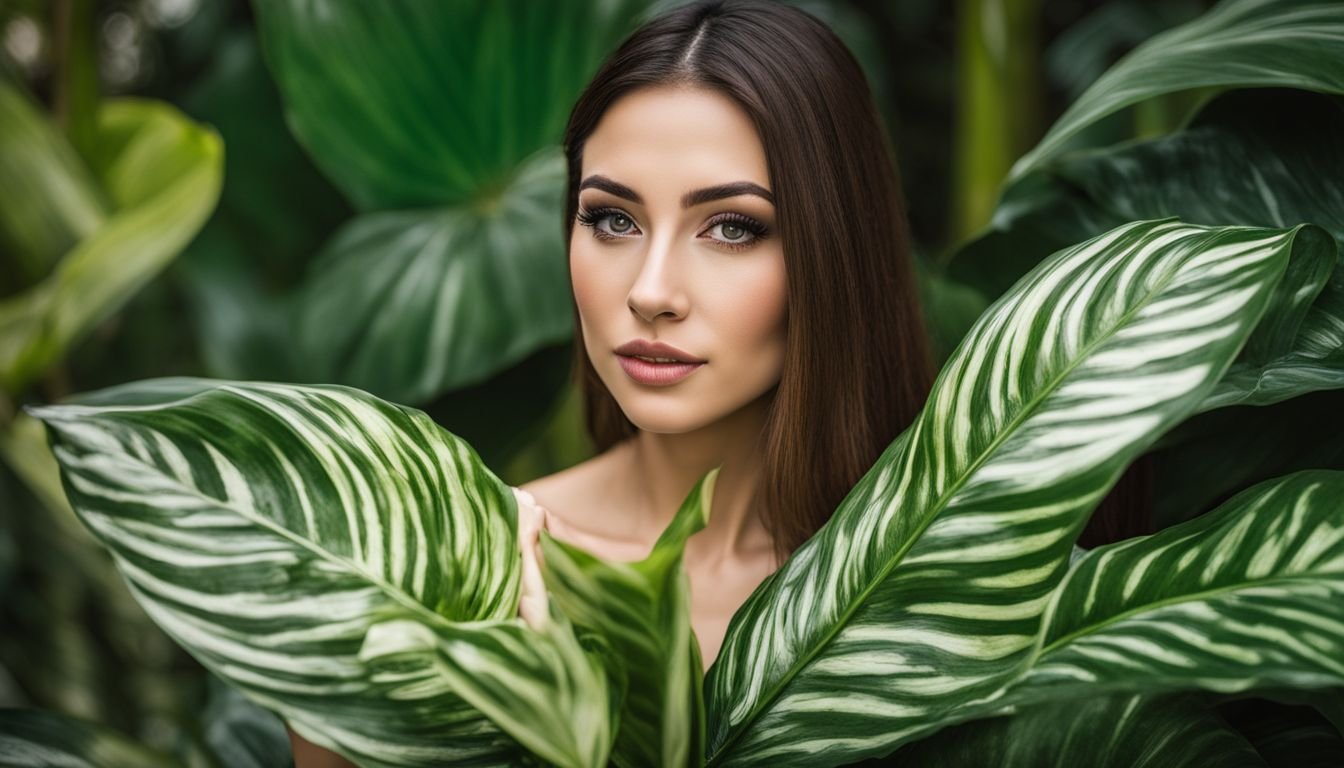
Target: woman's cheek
x=759, y=303
x=586, y=281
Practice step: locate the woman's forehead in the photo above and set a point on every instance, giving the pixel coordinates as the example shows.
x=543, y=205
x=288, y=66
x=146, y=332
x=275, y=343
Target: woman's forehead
x=699, y=136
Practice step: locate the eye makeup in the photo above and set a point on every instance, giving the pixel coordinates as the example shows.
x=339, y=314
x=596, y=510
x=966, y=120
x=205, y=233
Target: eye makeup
x=593, y=217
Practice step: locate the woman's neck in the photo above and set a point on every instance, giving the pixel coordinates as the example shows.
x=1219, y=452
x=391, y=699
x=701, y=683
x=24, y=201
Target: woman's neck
x=663, y=468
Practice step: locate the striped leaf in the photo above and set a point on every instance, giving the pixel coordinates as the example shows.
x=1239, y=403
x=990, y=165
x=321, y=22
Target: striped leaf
x=1246, y=596
x=643, y=610
x=342, y=561
x=1239, y=43
x=34, y=737
x=1313, y=362
x=924, y=592
x=1118, y=731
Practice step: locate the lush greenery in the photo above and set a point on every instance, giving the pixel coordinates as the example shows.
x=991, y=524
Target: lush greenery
x=339, y=557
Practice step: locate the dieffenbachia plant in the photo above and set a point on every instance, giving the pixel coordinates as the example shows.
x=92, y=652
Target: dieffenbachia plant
x=349, y=564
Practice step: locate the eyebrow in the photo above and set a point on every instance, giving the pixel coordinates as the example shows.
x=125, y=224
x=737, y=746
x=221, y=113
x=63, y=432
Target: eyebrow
x=693, y=198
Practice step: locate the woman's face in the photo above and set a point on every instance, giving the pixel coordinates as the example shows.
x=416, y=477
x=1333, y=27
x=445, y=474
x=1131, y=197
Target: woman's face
x=695, y=274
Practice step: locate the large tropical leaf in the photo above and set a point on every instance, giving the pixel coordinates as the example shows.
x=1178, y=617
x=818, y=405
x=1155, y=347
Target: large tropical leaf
x=643, y=610
x=1295, y=174
x=1118, y=731
x=924, y=592
x=456, y=269
x=1239, y=43
x=344, y=562
x=161, y=176
x=1249, y=595
x=407, y=304
x=418, y=104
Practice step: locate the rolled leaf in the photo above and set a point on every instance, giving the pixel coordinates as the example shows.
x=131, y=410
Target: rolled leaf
x=162, y=174
x=1246, y=596
x=643, y=610
x=924, y=592
x=49, y=201
x=342, y=561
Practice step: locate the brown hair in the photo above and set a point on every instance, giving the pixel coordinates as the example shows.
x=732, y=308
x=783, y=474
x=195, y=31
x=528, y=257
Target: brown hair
x=858, y=365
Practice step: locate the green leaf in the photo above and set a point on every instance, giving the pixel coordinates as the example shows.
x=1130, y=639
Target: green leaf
x=924, y=591
x=1239, y=43
x=49, y=200
x=643, y=610
x=1243, y=597
x=342, y=561
x=1313, y=362
x=162, y=174
x=1116, y=731
x=37, y=737
x=1296, y=168
x=408, y=304
x=416, y=104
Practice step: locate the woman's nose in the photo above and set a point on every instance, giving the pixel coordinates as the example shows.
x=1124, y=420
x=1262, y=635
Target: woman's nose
x=658, y=286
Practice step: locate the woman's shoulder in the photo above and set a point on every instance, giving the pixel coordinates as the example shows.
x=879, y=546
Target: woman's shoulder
x=579, y=508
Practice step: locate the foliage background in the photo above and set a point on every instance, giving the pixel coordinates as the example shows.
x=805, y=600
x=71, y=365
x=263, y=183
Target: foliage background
x=966, y=88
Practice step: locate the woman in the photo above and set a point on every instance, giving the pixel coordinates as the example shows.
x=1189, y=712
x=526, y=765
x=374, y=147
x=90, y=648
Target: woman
x=739, y=210
x=787, y=287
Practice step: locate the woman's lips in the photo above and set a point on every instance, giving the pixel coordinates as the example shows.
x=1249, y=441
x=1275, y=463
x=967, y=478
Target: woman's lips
x=656, y=374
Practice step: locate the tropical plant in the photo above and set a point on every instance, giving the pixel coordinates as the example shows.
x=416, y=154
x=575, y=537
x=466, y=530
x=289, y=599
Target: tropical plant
x=349, y=564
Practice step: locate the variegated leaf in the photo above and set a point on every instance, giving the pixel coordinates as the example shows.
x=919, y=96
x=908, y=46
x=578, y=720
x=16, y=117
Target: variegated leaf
x=643, y=609
x=1246, y=596
x=341, y=560
x=923, y=594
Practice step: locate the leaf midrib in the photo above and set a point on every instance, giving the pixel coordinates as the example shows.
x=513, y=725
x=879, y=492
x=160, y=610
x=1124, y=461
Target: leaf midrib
x=1091, y=628
x=397, y=594
x=939, y=507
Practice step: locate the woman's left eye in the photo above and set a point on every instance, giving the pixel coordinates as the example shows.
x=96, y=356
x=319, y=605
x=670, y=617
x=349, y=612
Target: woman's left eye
x=739, y=231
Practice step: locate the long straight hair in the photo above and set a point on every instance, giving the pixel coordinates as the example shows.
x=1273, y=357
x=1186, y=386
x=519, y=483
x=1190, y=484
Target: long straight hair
x=857, y=366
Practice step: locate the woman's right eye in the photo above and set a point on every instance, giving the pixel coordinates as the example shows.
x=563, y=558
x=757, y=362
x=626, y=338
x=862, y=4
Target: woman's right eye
x=619, y=223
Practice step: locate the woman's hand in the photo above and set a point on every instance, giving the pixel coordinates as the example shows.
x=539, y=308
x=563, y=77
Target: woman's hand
x=532, y=606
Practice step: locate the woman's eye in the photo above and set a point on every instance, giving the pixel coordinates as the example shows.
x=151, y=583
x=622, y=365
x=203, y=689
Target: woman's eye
x=732, y=232
x=620, y=223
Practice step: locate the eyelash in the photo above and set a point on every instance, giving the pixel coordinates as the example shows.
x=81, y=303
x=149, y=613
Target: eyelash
x=590, y=218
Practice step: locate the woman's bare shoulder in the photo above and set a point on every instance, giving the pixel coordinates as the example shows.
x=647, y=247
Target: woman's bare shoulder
x=580, y=508
x=572, y=490
x=560, y=490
